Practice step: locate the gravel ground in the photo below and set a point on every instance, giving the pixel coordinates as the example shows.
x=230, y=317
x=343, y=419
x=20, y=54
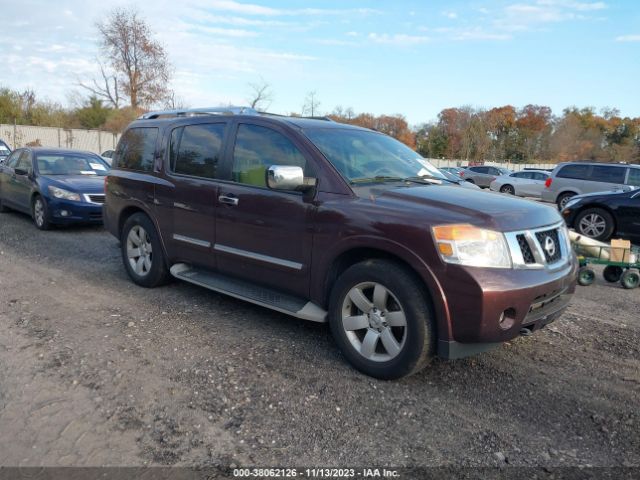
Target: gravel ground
x=97, y=371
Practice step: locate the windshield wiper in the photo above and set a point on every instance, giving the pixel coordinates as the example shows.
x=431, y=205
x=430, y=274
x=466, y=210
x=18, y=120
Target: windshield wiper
x=424, y=179
x=377, y=178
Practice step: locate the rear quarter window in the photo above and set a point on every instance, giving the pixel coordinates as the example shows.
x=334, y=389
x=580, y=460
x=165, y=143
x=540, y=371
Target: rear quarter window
x=136, y=150
x=634, y=177
x=577, y=172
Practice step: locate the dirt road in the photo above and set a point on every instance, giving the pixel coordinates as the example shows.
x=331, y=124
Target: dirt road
x=97, y=371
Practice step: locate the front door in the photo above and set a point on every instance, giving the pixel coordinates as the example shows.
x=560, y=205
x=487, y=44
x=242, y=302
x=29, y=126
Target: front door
x=19, y=183
x=264, y=235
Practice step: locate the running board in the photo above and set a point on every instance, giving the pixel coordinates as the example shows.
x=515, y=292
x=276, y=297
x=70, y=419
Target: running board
x=250, y=292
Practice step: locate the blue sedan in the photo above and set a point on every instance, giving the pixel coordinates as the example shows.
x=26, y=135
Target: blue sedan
x=54, y=186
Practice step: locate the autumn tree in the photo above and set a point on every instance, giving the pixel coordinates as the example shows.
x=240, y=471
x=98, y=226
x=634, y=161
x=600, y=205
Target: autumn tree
x=137, y=66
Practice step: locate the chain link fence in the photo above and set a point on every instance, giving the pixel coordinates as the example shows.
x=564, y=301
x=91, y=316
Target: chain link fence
x=96, y=141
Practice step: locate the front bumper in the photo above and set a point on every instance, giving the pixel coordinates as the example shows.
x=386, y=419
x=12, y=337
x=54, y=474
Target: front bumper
x=478, y=298
x=66, y=212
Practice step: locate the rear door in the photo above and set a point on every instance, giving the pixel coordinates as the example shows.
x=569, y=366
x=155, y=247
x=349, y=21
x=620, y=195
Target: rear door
x=264, y=235
x=191, y=195
x=605, y=178
x=6, y=174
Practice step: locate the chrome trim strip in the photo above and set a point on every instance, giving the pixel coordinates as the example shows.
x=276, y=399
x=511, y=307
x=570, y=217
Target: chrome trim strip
x=258, y=256
x=536, y=248
x=87, y=198
x=192, y=241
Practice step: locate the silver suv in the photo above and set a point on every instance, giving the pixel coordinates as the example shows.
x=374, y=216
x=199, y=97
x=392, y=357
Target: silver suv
x=576, y=178
x=483, y=175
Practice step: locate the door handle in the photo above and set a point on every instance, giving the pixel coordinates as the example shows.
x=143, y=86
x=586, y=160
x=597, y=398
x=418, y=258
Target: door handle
x=228, y=200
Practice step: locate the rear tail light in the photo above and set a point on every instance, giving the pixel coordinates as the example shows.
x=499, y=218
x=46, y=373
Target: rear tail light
x=461, y=174
x=547, y=182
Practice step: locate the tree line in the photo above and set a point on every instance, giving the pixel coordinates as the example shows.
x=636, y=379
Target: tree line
x=135, y=76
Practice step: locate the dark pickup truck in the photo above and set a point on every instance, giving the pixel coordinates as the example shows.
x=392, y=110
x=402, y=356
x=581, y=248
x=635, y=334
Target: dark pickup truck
x=335, y=223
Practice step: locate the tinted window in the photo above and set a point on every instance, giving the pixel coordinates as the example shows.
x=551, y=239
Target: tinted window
x=480, y=169
x=576, y=171
x=25, y=161
x=540, y=176
x=634, y=177
x=522, y=175
x=604, y=173
x=195, y=149
x=136, y=149
x=256, y=149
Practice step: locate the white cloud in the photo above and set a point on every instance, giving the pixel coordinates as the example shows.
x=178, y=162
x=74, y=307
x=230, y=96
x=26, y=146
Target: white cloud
x=628, y=38
x=479, y=34
x=451, y=15
x=399, y=39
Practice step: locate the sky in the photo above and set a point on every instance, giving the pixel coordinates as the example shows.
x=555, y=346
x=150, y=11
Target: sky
x=395, y=57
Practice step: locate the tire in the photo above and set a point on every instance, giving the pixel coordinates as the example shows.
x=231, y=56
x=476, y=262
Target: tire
x=586, y=276
x=370, y=341
x=595, y=223
x=630, y=279
x=508, y=189
x=40, y=213
x=142, y=252
x=563, y=198
x=612, y=273
x=3, y=209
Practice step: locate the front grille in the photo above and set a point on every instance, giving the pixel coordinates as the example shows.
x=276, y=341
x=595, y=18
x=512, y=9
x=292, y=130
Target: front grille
x=550, y=244
x=96, y=197
x=527, y=254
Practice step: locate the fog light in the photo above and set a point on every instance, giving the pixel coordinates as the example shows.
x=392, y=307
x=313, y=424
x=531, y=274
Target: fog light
x=64, y=213
x=507, y=319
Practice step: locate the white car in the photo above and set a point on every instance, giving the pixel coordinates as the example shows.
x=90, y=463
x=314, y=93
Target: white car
x=527, y=183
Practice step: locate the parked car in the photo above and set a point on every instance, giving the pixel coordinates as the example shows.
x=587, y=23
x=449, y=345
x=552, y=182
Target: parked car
x=456, y=179
x=528, y=183
x=4, y=151
x=107, y=153
x=576, y=178
x=331, y=222
x=54, y=186
x=605, y=215
x=483, y=175
x=457, y=171
x=107, y=160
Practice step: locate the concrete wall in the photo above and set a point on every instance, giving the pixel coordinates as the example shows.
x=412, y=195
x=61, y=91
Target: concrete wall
x=96, y=141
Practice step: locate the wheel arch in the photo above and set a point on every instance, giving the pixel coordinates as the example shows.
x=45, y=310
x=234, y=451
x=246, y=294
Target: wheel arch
x=606, y=208
x=408, y=260
x=130, y=210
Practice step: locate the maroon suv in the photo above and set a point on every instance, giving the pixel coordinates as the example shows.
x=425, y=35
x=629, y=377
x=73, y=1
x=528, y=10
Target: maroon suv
x=331, y=222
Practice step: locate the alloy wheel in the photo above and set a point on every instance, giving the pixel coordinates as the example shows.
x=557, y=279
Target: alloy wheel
x=139, y=250
x=38, y=212
x=374, y=321
x=592, y=225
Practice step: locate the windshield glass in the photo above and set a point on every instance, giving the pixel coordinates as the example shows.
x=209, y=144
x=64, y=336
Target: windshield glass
x=70, y=164
x=361, y=155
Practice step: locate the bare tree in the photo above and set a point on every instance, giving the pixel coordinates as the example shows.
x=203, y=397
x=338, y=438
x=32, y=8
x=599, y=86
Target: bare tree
x=260, y=95
x=104, y=88
x=141, y=69
x=174, y=102
x=311, y=104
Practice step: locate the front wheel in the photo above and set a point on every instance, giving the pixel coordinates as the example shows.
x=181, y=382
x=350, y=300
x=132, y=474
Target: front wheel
x=382, y=320
x=630, y=279
x=595, y=223
x=40, y=213
x=142, y=252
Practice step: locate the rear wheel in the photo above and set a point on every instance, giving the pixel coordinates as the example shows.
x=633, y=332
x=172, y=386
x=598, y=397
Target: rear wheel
x=508, y=189
x=612, y=273
x=381, y=319
x=3, y=209
x=630, y=279
x=564, y=198
x=40, y=213
x=595, y=223
x=142, y=252
x=586, y=276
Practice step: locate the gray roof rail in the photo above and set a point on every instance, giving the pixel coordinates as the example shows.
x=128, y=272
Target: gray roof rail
x=189, y=112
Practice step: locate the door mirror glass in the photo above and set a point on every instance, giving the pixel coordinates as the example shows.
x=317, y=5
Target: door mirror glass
x=288, y=177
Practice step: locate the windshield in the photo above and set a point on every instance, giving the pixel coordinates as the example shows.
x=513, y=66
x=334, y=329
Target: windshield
x=71, y=164
x=361, y=155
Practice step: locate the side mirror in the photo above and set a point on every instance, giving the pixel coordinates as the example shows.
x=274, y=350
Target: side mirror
x=21, y=171
x=285, y=177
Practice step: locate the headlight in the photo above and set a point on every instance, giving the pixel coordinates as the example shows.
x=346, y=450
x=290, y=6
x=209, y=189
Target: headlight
x=472, y=246
x=64, y=194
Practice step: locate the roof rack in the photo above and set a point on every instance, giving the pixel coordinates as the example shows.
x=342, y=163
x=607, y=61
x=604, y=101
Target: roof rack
x=325, y=118
x=189, y=112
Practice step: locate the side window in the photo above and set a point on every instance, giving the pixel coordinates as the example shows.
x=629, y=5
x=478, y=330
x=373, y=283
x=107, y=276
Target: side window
x=604, y=173
x=634, y=177
x=25, y=161
x=522, y=175
x=540, y=176
x=13, y=159
x=136, y=149
x=195, y=149
x=577, y=171
x=494, y=171
x=256, y=149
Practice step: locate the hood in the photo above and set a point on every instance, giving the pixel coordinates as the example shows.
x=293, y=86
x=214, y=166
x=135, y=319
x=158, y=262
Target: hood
x=77, y=183
x=606, y=194
x=450, y=204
